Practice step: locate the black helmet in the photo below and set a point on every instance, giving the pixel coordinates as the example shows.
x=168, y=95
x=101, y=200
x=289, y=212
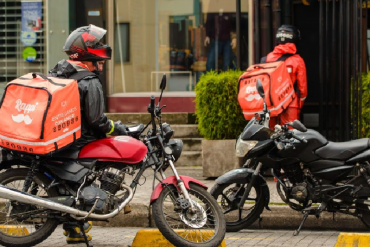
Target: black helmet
x=83, y=44
x=176, y=146
x=288, y=34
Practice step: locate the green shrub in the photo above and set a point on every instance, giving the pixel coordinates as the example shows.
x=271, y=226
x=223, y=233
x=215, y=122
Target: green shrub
x=365, y=105
x=217, y=110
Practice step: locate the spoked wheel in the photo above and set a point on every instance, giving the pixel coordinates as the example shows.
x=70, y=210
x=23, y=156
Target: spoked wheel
x=183, y=225
x=229, y=196
x=25, y=224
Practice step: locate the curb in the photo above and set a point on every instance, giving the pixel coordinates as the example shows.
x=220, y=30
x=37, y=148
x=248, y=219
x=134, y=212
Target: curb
x=283, y=217
x=280, y=217
x=353, y=239
x=154, y=238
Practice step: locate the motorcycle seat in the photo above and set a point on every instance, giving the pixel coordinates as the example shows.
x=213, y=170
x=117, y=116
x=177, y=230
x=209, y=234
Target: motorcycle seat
x=67, y=154
x=342, y=150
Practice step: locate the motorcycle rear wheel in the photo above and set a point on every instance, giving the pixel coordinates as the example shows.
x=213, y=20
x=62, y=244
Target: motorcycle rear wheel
x=26, y=231
x=202, y=227
x=253, y=206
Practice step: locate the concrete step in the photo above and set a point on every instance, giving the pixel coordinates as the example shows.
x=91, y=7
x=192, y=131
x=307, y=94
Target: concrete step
x=190, y=158
x=144, y=118
x=185, y=130
x=192, y=144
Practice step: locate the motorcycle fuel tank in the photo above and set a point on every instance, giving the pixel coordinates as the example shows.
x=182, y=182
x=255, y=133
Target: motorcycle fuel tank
x=306, y=151
x=118, y=149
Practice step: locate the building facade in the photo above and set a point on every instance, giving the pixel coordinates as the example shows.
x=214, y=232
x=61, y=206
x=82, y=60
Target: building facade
x=148, y=37
x=185, y=38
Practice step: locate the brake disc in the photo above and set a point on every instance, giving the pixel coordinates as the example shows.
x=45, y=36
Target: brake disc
x=196, y=217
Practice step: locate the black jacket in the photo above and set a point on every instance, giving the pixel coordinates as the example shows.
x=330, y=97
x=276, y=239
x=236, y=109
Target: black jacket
x=94, y=123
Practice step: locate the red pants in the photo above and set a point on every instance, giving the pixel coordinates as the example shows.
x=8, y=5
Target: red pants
x=288, y=115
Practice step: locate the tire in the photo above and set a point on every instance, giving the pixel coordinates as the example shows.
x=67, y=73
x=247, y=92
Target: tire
x=362, y=209
x=365, y=213
x=222, y=194
x=39, y=232
x=210, y=218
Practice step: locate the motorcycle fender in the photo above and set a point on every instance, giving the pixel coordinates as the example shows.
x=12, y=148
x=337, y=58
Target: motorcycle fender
x=242, y=176
x=172, y=180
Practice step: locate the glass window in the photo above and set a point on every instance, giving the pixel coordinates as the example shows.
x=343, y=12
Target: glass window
x=183, y=39
x=195, y=37
x=122, y=43
x=15, y=44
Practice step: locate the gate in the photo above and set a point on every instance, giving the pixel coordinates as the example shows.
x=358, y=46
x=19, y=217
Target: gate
x=343, y=57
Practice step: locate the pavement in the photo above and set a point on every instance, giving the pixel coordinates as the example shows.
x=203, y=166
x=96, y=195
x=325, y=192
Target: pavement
x=124, y=236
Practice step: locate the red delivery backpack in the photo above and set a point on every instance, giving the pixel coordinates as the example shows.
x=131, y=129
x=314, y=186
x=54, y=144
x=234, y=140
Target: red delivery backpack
x=39, y=114
x=276, y=83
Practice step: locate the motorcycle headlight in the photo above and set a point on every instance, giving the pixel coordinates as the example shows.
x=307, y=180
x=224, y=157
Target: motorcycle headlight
x=243, y=147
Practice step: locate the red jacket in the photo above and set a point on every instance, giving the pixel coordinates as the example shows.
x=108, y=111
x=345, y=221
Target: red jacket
x=296, y=68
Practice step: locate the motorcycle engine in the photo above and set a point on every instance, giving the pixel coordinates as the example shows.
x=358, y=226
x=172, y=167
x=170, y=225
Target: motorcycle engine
x=110, y=183
x=300, y=192
x=111, y=180
x=88, y=197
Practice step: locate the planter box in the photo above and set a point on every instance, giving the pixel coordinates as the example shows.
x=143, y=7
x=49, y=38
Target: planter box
x=219, y=157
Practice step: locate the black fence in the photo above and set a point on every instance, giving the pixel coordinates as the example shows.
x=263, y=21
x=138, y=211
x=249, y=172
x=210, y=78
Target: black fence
x=343, y=57
x=341, y=52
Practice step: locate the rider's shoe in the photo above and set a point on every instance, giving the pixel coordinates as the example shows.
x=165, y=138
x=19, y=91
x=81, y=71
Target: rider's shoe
x=74, y=234
x=127, y=209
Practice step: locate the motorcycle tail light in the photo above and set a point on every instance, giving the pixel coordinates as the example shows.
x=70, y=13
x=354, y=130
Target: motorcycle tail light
x=243, y=147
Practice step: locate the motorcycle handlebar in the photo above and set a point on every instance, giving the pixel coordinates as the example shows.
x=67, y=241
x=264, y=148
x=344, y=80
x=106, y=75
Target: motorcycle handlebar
x=299, y=138
x=152, y=99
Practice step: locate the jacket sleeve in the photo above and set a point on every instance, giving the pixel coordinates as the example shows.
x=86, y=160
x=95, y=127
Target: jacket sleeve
x=302, y=81
x=94, y=107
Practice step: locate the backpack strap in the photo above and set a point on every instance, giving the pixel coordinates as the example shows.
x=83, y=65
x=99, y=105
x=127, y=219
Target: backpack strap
x=284, y=57
x=78, y=76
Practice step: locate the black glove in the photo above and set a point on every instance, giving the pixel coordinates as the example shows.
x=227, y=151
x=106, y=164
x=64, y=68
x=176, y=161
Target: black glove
x=120, y=128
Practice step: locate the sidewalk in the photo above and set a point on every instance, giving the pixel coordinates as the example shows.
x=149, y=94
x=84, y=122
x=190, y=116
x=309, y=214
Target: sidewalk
x=123, y=237
x=281, y=216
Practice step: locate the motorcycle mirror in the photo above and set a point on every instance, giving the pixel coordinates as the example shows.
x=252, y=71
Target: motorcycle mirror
x=162, y=86
x=260, y=90
x=163, y=82
x=298, y=125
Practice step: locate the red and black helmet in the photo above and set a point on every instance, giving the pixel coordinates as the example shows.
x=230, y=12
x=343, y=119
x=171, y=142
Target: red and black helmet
x=83, y=44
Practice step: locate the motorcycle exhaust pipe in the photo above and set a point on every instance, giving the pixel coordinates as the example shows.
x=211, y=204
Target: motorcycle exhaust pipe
x=13, y=194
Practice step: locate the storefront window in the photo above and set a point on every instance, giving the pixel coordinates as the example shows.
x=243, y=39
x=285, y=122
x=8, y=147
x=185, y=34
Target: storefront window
x=122, y=43
x=183, y=39
x=22, y=40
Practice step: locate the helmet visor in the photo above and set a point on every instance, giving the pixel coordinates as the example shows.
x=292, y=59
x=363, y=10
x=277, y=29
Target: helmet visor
x=92, y=35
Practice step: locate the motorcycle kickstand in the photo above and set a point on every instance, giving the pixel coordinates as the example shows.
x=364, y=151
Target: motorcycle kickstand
x=81, y=225
x=296, y=232
x=259, y=222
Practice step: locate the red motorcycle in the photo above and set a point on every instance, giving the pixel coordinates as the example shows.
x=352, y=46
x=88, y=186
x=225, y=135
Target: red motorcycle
x=89, y=185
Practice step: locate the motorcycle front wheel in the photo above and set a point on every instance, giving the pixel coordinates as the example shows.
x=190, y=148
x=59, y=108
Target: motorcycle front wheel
x=202, y=225
x=25, y=224
x=229, y=196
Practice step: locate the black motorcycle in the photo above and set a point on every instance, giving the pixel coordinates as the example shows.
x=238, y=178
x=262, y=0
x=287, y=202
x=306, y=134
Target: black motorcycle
x=313, y=174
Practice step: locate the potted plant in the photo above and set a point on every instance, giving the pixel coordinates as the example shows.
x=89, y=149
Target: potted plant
x=220, y=120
